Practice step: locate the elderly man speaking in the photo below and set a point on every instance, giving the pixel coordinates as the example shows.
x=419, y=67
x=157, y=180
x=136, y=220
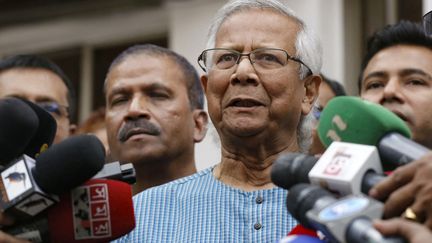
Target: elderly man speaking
x=262, y=66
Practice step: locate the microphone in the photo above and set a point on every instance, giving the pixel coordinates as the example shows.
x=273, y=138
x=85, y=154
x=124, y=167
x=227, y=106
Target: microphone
x=300, y=239
x=101, y=210
x=45, y=133
x=27, y=186
x=116, y=171
x=69, y=163
x=344, y=168
x=341, y=220
x=18, y=125
x=351, y=119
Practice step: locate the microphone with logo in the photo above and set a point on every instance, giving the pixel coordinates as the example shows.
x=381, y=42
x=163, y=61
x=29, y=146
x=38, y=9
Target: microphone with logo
x=344, y=169
x=30, y=186
x=351, y=119
x=340, y=220
x=101, y=210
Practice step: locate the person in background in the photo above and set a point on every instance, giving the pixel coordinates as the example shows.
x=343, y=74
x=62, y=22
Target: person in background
x=154, y=114
x=95, y=124
x=397, y=74
x=39, y=80
x=261, y=79
x=328, y=90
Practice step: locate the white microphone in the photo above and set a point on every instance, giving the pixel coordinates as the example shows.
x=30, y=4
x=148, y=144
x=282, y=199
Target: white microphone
x=343, y=166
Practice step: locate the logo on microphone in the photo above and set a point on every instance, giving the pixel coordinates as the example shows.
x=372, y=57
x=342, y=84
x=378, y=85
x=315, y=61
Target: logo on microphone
x=91, y=212
x=15, y=180
x=340, y=125
x=337, y=162
x=343, y=208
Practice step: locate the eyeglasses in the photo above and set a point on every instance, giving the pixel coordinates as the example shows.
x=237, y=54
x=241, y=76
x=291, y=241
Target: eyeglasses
x=263, y=59
x=427, y=23
x=54, y=108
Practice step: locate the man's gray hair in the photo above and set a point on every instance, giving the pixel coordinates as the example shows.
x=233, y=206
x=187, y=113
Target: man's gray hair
x=307, y=45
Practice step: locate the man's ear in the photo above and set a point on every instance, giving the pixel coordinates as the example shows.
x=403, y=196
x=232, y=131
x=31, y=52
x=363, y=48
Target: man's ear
x=72, y=129
x=311, y=85
x=201, y=121
x=204, y=80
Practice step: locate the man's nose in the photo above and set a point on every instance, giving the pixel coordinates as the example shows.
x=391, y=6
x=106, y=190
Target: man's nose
x=245, y=73
x=138, y=108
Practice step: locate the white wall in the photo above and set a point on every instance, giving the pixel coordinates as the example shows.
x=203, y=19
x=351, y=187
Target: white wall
x=188, y=24
x=427, y=6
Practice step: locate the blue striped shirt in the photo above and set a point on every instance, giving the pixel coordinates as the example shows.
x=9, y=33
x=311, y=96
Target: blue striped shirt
x=199, y=208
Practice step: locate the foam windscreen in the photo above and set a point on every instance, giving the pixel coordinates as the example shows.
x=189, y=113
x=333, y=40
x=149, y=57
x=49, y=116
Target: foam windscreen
x=69, y=163
x=18, y=125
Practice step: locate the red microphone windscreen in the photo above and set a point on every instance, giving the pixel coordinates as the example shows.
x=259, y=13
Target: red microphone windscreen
x=99, y=211
x=300, y=230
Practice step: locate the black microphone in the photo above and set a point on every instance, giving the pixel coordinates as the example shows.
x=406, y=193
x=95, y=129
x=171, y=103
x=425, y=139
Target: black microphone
x=27, y=186
x=341, y=220
x=292, y=168
x=116, y=171
x=18, y=125
x=69, y=163
x=45, y=133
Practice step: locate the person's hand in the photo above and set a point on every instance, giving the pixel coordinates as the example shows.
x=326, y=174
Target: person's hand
x=5, y=238
x=6, y=220
x=411, y=231
x=408, y=187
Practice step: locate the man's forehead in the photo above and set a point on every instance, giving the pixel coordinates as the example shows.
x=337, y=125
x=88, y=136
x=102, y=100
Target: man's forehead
x=22, y=71
x=32, y=80
x=255, y=20
x=144, y=70
x=399, y=58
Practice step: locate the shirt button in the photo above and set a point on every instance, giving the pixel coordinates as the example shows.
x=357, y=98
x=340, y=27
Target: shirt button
x=257, y=226
x=259, y=200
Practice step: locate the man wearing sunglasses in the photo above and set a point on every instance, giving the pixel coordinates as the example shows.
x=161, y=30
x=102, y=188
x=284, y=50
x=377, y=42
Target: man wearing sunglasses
x=41, y=81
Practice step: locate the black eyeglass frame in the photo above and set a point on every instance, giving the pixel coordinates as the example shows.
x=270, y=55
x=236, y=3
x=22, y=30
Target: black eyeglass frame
x=289, y=57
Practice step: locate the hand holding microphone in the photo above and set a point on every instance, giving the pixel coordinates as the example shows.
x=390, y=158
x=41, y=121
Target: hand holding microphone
x=352, y=119
x=409, y=189
x=412, y=231
x=347, y=219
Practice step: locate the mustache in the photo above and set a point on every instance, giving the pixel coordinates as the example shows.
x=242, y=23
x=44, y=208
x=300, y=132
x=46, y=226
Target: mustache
x=139, y=126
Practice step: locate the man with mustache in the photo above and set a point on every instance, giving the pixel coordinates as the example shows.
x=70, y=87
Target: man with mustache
x=397, y=74
x=154, y=114
x=262, y=68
